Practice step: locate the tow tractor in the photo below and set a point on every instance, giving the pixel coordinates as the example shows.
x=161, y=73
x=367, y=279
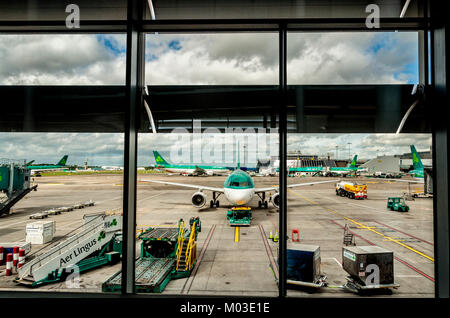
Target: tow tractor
x=397, y=204
x=166, y=253
x=97, y=242
x=239, y=216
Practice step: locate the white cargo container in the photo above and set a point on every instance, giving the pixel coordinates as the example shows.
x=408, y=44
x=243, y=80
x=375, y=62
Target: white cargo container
x=40, y=232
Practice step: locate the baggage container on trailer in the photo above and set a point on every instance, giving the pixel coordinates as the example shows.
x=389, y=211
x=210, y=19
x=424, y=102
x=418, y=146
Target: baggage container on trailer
x=303, y=266
x=369, y=267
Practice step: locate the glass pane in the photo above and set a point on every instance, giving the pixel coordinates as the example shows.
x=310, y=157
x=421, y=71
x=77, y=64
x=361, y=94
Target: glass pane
x=361, y=227
x=354, y=82
x=49, y=10
x=61, y=131
x=61, y=203
x=62, y=59
x=203, y=162
x=247, y=9
x=369, y=223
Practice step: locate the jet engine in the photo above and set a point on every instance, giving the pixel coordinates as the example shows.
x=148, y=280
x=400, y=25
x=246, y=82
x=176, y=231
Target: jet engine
x=276, y=200
x=198, y=199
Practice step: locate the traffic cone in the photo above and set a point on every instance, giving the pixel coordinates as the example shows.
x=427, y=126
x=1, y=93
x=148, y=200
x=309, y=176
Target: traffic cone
x=270, y=235
x=275, y=239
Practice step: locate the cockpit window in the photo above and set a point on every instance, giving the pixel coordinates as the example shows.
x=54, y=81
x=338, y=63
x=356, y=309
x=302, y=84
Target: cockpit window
x=235, y=184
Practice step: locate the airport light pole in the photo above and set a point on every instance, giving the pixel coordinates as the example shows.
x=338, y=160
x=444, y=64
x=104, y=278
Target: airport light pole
x=337, y=152
x=349, y=155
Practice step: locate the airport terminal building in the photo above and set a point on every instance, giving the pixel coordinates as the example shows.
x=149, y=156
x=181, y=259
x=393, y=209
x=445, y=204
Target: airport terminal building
x=195, y=117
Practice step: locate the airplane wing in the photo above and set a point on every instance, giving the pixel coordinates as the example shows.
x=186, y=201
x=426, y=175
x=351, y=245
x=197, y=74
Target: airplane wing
x=257, y=190
x=193, y=186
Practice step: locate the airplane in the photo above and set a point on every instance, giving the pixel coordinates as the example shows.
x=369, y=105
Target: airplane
x=350, y=168
x=418, y=169
x=238, y=189
x=36, y=169
x=161, y=163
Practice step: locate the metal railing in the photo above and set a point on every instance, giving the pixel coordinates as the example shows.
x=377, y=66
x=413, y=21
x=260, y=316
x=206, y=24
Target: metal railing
x=180, y=241
x=189, y=247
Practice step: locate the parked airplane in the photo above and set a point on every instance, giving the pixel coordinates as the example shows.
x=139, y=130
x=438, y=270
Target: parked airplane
x=161, y=163
x=36, y=169
x=418, y=169
x=350, y=168
x=239, y=189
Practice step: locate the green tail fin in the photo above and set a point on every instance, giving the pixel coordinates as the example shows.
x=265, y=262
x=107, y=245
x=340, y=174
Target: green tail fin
x=63, y=161
x=417, y=163
x=353, y=163
x=159, y=159
x=29, y=163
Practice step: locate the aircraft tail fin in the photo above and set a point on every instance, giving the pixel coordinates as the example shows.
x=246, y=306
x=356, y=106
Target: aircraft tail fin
x=353, y=163
x=30, y=163
x=417, y=162
x=63, y=161
x=159, y=159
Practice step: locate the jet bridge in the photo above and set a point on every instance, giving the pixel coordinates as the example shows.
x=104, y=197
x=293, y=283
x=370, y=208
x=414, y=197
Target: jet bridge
x=97, y=242
x=14, y=183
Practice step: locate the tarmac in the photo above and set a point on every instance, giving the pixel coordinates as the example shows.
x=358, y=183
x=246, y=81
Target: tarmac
x=247, y=267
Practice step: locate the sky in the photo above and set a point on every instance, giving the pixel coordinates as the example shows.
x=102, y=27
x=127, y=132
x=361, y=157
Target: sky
x=107, y=148
x=198, y=59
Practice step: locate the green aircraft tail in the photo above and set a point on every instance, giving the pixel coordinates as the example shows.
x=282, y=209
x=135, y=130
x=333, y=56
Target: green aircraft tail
x=30, y=163
x=417, y=163
x=353, y=163
x=159, y=159
x=63, y=161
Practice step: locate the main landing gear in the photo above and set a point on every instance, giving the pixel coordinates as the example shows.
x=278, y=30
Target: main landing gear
x=263, y=202
x=214, y=201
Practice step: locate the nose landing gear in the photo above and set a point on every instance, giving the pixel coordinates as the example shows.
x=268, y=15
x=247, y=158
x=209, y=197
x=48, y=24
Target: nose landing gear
x=214, y=201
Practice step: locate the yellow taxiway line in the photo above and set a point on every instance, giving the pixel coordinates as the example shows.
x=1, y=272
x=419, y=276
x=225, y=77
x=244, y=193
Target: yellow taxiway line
x=236, y=234
x=369, y=228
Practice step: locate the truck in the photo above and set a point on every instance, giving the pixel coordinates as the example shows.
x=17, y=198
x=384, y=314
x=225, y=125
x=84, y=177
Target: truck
x=351, y=190
x=397, y=204
x=239, y=216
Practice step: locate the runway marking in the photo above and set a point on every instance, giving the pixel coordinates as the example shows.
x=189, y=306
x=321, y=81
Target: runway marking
x=191, y=278
x=396, y=258
x=365, y=227
x=404, y=232
x=236, y=234
x=333, y=258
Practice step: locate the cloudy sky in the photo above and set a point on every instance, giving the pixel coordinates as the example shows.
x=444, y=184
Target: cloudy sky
x=107, y=149
x=189, y=59
x=238, y=58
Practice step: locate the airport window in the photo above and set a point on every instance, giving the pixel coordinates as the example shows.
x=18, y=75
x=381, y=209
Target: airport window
x=61, y=172
x=192, y=148
x=347, y=97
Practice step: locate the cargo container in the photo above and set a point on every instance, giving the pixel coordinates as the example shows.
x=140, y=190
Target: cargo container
x=303, y=262
x=359, y=262
x=40, y=232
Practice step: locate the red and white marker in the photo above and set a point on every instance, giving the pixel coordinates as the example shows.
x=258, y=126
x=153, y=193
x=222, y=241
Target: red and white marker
x=9, y=264
x=1, y=255
x=15, y=255
x=21, y=258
